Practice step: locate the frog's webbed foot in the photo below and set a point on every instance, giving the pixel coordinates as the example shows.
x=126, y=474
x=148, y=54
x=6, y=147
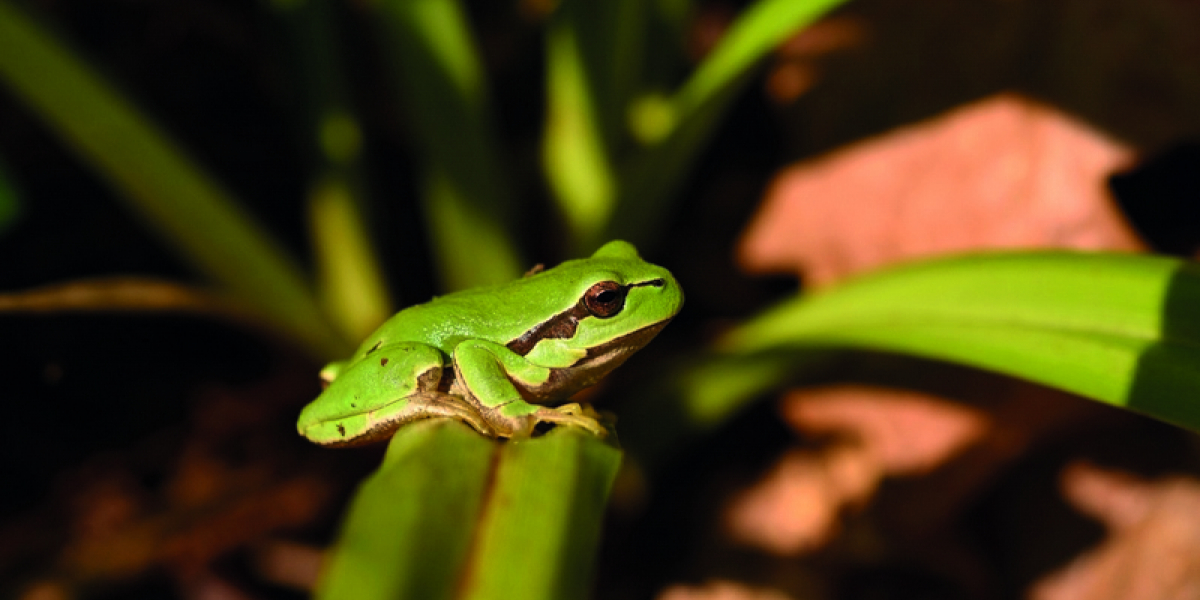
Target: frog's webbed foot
x=572, y=414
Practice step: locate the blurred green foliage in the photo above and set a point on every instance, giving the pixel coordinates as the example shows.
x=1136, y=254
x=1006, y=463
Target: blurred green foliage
x=621, y=134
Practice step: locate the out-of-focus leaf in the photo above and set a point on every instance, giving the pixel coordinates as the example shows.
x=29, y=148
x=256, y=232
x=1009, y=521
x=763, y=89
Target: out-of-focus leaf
x=1121, y=329
x=1152, y=545
x=695, y=396
x=467, y=199
x=691, y=115
x=593, y=59
x=451, y=514
x=1025, y=175
x=10, y=206
x=162, y=184
x=350, y=282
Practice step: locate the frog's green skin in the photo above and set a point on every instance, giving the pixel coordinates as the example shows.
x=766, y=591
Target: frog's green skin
x=493, y=357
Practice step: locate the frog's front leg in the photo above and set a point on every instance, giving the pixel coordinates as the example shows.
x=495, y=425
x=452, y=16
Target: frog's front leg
x=369, y=400
x=489, y=375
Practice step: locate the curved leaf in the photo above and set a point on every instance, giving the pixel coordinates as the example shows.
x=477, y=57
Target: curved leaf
x=1120, y=329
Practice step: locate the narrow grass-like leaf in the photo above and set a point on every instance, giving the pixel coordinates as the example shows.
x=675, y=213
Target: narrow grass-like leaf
x=184, y=204
x=575, y=148
x=593, y=63
x=350, y=282
x=690, y=117
x=541, y=525
x=468, y=203
x=409, y=528
x=1120, y=329
x=451, y=514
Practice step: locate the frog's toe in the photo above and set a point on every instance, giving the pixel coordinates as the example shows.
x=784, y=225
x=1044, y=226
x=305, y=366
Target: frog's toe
x=574, y=415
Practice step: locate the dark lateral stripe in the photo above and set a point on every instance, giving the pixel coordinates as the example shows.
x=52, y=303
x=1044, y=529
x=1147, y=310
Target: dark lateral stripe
x=563, y=325
x=560, y=326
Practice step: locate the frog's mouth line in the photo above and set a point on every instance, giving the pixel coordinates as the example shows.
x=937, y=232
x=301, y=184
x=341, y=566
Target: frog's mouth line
x=635, y=339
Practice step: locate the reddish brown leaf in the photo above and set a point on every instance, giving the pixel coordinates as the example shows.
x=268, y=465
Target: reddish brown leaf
x=1153, y=547
x=904, y=432
x=1005, y=172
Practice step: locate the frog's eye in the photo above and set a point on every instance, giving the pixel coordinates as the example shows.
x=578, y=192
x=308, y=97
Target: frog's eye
x=604, y=299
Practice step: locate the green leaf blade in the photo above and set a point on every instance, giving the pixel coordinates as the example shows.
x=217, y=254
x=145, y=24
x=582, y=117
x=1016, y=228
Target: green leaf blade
x=452, y=514
x=539, y=533
x=1120, y=329
x=410, y=526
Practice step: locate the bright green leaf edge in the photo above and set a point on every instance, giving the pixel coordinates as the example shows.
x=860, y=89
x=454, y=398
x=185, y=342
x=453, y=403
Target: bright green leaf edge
x=451, y=514
x=1121, y=329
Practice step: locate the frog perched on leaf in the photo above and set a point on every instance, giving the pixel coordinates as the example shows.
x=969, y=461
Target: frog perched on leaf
x=498, y=358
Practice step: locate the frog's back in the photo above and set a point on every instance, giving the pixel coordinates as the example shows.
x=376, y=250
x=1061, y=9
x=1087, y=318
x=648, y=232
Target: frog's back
x=446, y=321
x=504, y=312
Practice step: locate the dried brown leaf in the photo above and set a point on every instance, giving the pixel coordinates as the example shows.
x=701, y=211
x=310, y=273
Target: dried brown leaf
x=1005, y=172
x=796, y=508
x=1153, y=547
x=904, y=432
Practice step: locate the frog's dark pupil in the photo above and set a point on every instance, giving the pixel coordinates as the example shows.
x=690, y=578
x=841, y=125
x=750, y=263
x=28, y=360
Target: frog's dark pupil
x=606, y=296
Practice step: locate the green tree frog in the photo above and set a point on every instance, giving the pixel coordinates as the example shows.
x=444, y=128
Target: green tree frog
x=498, y=358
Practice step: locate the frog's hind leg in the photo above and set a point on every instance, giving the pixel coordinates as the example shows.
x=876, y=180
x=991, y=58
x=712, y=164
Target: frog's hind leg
x=436, y=404
x=381, y=424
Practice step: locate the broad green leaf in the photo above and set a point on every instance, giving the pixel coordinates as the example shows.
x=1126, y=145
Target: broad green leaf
x=467, y=198
x=409, y=528
x=451, y=514
x=541, y=525
x=190, y=210
x=1121, y=329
